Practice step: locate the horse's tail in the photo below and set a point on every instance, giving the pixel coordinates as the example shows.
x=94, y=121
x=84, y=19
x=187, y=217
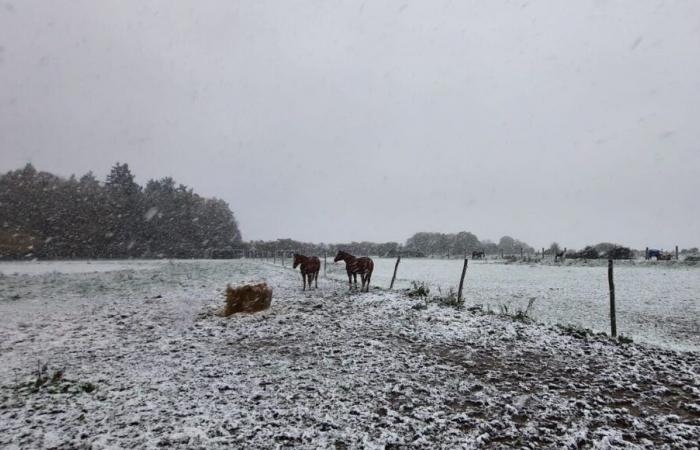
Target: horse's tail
x=370, y=269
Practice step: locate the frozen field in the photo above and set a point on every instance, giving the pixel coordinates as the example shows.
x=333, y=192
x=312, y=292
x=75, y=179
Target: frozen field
x=656, y=304
x=136, y=358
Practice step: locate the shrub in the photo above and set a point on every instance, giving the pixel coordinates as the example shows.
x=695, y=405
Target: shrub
x=587, y=253
x=620, y=253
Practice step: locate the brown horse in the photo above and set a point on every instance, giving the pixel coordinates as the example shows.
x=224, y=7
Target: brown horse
x=310, y=266
x=363, y=265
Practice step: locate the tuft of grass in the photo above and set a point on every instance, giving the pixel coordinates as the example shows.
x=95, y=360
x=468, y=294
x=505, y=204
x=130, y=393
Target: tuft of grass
x=575, y=331
x=418, y=289
x=421, y=290
x=449, y=298
x=522, y=315
x=622, y=339
x=53, y=383
x=420, y=306
x=88, y=387
x=476, y=309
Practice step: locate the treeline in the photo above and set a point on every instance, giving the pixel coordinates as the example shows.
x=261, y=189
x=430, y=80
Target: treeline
x=46, y=216
x=463, y=242
x=419, y=245
x=308, y=248
x=609, y=250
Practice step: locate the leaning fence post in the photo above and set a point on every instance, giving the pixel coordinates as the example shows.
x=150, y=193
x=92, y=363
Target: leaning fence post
x=398, y=260
x=461, y=280
x=611, y=283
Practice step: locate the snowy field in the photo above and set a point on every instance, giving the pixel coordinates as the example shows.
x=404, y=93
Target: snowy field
x=135, y=357
x=657, y=303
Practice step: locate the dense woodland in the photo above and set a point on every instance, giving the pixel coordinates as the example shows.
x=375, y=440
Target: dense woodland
x=46, y=216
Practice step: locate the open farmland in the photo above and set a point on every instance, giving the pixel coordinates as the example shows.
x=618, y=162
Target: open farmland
x=656, y=303
x=144, y=362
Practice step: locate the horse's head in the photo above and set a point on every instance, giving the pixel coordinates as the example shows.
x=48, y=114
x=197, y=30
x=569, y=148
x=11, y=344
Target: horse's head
x=298, y=259
x=340, y=256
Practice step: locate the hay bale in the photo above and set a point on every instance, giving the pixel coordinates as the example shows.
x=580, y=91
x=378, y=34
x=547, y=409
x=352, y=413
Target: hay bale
x=247, y=298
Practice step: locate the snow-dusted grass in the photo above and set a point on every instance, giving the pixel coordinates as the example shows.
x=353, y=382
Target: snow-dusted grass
x=42, y=267
x=657, y=303
x=324, y=368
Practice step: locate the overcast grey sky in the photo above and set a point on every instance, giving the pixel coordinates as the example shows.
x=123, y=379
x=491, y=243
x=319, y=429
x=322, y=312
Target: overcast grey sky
x=575, y=122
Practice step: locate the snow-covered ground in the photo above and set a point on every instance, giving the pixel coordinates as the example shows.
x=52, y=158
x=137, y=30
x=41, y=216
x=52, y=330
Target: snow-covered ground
x=655, y=303
x=41, y=267
x=144, y=362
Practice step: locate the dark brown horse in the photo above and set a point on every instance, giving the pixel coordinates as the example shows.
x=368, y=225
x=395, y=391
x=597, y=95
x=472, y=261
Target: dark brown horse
x=478, y=254
x=363, y=265
x=310, y=266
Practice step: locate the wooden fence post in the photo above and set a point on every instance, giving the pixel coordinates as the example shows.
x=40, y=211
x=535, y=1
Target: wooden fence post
x=611, y=284
x=646, y=253
x=461, y=280
x=398, y=260
x=521, y=253
x=676, y=253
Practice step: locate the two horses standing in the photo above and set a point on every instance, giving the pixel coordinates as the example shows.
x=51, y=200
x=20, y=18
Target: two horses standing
x=311, y=265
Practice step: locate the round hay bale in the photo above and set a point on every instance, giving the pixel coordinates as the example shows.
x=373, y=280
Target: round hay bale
x=247, y=298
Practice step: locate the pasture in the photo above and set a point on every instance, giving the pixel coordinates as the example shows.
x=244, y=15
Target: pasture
x=115, y=354
x=656, y=303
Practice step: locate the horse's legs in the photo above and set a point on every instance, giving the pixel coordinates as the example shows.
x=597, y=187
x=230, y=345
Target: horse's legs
x=350, y=279
x=354, y=275
x=369, y=277
x=303, y=280
x=316, y=279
